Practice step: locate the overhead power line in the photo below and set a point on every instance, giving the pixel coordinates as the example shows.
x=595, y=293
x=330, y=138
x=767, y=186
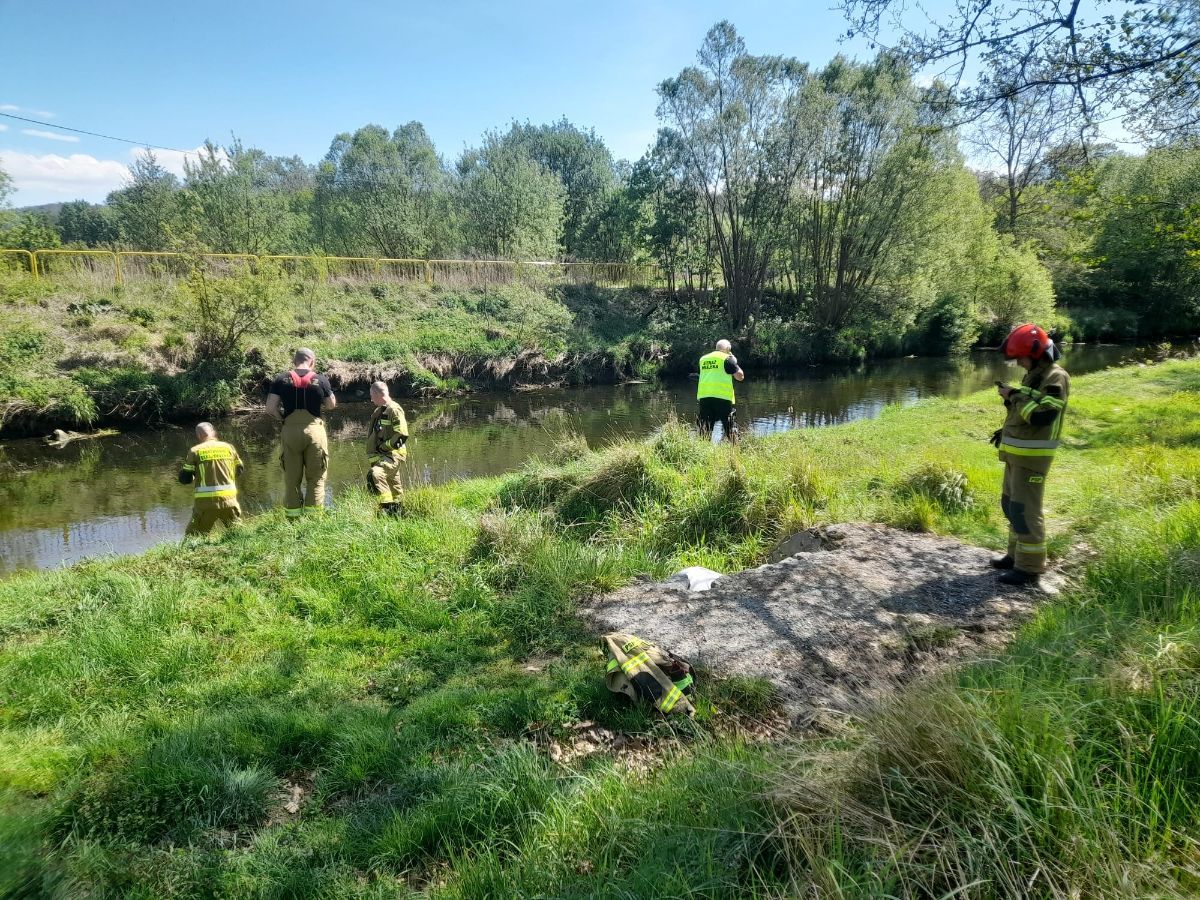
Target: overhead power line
x=107, y=137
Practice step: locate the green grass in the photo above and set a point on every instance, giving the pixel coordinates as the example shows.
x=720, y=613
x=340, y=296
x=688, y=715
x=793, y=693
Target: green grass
x=403, y=680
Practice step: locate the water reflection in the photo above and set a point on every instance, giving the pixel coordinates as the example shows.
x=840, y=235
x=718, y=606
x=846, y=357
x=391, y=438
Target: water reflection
x=120, y=495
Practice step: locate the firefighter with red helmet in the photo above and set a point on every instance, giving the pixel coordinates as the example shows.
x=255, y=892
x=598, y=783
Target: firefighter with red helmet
x=1027, y=444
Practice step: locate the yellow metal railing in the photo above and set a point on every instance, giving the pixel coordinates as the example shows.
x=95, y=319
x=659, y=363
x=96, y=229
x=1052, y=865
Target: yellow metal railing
x=30, y=260
x=126, y=265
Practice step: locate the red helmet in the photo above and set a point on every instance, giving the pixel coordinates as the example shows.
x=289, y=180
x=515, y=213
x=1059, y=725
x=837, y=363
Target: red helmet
x=1026, y=340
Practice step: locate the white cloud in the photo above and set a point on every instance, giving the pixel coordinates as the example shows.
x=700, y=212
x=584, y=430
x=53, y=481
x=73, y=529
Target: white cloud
x=50, y=177
x=3, y=127
x=50, y=135
x=40, y=179
x=12, y=108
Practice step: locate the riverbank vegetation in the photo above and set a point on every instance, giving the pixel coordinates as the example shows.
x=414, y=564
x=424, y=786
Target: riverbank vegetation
x=417, y=710
x=811, y=212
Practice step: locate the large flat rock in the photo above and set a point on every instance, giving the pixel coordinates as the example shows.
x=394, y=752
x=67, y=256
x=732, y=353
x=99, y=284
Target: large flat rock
x=853, y=612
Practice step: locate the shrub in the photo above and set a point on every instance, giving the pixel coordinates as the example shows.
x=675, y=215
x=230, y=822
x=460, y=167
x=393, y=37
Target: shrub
x=945, y=487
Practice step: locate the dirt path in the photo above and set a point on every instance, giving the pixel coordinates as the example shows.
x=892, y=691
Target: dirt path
x=858, y=610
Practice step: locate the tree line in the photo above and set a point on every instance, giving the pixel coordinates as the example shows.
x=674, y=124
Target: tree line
x=838, y=198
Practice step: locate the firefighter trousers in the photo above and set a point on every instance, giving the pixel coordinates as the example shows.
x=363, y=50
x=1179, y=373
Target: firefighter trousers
x=207, y=513
x=1021, y=501
x=384, y=479
x=305, y=459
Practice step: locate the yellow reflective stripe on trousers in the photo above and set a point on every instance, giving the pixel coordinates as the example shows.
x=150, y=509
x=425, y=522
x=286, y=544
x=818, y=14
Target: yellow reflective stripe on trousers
x=633, y=662
x=294, y=513
x=1030, y=548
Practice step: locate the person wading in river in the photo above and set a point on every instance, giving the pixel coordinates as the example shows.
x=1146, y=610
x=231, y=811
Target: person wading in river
x=386, y=438
x=297, y=398
x=214, y=467
x=1027, y=443
x=714, y=393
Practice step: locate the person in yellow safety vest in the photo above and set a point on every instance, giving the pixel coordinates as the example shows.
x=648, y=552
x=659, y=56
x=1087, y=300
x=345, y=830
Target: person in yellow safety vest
x=714, y=394
x=214, y=467
x=297, y=398
x=386, y=451
x=1027, y=443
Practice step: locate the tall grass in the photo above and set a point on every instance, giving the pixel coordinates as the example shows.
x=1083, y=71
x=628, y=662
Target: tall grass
x=362, y=707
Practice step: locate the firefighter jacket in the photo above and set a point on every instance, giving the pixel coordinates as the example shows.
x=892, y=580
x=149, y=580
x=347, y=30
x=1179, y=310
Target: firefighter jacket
x=388, y=433
x=213, y=466
x=1034, y=423
x=642, y=671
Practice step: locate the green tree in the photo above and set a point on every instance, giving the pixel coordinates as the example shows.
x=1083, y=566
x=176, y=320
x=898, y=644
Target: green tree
x=675, y=228
x=863, y=206
x=512, y=207
x=80, y=222
x=240, y=200
x=731, y=129
x=383, y=195
x=588, y=174
x=1147, y=246
x=147, y=211
x=29, y=232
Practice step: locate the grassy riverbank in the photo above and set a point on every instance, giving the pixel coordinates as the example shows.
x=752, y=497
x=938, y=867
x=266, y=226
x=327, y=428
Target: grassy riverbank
x=77, y=353
x=364, y=708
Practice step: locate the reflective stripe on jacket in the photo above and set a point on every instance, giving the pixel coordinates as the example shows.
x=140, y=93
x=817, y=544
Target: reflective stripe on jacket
x=714, y=380
x=1036, y=410
x=214, y=466
x=388, y=432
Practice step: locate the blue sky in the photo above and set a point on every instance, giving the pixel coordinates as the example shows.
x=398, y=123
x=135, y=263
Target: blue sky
x=287, y=77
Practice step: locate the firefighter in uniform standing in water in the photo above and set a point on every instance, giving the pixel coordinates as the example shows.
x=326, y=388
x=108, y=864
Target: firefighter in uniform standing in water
x=714, y=393
x=386, y=436
x=297, y=398
x=1027, y=443
x=214, y=466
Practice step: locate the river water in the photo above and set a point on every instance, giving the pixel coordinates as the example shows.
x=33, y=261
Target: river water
x=120, y=495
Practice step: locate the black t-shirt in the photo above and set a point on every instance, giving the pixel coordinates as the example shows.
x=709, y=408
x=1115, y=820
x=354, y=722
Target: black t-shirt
x=293, y=398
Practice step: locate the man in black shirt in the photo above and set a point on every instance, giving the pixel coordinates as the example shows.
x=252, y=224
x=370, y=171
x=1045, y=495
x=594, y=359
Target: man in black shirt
x=297, y=398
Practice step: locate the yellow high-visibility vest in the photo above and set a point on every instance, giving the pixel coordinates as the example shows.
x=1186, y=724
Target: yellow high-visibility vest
x=714, y=380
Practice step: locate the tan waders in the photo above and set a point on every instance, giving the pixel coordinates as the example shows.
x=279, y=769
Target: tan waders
x=207, y=513
x=384, y=477
x=305, y=459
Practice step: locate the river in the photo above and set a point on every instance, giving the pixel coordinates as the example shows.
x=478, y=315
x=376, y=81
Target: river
x=120, y=495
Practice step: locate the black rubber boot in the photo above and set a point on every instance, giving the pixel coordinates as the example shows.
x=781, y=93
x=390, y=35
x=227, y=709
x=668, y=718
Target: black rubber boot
x=387, y=509
x=395, y=510
x=1002, y=562
x=1018, y=577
